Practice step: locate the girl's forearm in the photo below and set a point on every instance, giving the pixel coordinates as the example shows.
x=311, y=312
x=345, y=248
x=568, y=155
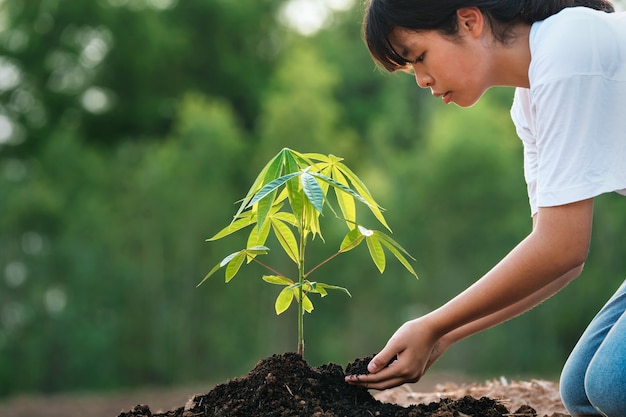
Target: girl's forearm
x=528, y=274
x=513, y=310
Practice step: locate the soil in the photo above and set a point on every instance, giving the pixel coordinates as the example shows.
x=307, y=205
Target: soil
x=286, y=386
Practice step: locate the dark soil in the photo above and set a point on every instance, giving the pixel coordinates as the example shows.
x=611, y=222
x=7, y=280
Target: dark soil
x=286, y=386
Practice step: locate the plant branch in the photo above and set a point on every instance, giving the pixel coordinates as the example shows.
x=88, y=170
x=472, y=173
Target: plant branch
x=268, y=268
x=322, y=263
x=334, y=255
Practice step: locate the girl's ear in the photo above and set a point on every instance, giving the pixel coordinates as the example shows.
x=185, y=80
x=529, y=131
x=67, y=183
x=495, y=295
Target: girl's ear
x=470, y=21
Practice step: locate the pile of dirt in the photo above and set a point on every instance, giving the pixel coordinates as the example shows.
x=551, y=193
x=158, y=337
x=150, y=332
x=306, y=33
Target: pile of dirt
x=285, y=386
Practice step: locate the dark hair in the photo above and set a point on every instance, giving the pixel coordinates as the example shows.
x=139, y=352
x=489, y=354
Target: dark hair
x=383, y=16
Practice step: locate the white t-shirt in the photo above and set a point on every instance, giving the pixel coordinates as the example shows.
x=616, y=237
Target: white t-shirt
x=572, y=119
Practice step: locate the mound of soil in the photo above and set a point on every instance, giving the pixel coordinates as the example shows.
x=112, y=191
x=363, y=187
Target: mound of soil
x=286, y=386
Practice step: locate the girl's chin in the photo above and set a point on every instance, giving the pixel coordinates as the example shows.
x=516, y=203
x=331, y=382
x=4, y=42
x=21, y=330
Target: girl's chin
x=466, y=102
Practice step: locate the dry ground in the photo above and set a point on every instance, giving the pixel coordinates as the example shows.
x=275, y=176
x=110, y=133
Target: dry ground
x=540, y=394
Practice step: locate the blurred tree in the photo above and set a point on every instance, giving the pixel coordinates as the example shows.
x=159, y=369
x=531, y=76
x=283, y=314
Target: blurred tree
x=102, y=253
x=300, y=110
x=387, y=110
x=95, y=63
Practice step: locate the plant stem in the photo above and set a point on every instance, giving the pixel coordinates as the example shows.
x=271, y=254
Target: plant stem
x=301, y=277
x=300, y=306
x=301, y=320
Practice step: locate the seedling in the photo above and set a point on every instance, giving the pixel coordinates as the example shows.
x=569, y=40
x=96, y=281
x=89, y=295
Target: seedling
x=288, y=198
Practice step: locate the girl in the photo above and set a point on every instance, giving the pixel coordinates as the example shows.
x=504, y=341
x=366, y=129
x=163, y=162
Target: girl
x=567, y=60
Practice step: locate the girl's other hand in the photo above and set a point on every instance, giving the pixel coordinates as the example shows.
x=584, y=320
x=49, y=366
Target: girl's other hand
x=407, y=355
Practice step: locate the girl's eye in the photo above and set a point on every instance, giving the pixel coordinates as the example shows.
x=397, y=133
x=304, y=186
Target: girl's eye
x=419, y=59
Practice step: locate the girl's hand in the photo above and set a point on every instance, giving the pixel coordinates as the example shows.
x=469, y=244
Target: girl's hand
x=544, y=262
x=409, y=353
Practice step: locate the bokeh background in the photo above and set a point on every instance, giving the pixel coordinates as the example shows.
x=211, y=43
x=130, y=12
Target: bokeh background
x=129, y=129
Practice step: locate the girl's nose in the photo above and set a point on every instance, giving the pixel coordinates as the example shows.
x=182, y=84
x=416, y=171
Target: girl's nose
x=423, y=80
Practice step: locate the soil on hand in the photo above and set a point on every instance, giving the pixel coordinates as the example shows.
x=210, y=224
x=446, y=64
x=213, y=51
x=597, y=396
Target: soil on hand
x=286, y=386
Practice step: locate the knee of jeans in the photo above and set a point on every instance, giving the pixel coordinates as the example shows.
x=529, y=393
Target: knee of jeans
x=606, y=391
x=572, y=389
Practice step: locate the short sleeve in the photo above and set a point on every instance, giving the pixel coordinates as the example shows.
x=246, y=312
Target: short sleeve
x=522, y=118
x=580, y=138
x=572, y=120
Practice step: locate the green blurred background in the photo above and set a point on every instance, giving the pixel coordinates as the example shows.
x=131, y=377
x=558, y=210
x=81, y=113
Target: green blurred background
x=130, y=128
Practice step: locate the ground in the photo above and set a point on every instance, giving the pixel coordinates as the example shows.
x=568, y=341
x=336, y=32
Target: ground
x=541, y=395
x=307, y=391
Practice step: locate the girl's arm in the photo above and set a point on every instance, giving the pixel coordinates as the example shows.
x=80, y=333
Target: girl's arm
x=505, y=314
x=502, y=315
x=534, y=270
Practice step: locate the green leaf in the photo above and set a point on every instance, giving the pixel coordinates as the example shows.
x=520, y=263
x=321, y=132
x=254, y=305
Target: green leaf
x=277, y=279
x=234, y=226
x=296, y=201
x=360, y=187
x=340, y=186
x=283, y=301
x=258, y=236
x=286, y=217
x=271, y=187
x=264, y=206
x=302, y=160
x=295, y=286
x=317, y=156
x=310, y=219
x=318, y=289
x=281, y=197
x=334, y=159
x=397, y=251
x=269, y=172
x=230, y=257
x=346, y=202
x=234, y=264
x=325, y=172
x=351, y=240
x=333, y=287
x=211, y=272
x=253, y=251
x=384, y=237
x=376, y=252
x=257, y=250
x=307, y=305
x=297, y=162
x=312, y=190
x=286, y=239
x=291, y=163
x=271, y=203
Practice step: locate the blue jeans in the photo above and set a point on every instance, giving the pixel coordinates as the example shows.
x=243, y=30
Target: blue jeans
x=593, y=381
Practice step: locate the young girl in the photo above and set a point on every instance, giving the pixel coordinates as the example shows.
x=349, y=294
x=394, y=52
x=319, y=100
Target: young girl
x=567, y=59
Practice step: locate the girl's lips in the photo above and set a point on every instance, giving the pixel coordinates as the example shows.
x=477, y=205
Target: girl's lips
x=445, y=97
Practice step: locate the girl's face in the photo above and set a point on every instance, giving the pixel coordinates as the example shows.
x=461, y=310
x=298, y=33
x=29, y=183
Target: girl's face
x=457, y=70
